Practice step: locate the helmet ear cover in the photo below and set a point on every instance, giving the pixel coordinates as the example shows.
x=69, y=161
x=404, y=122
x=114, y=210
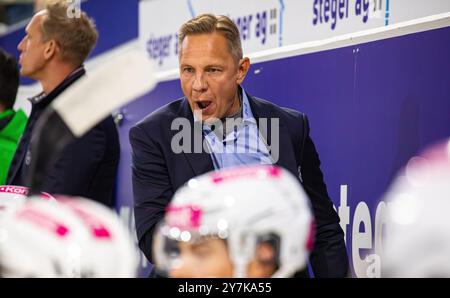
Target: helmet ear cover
x=272, y=242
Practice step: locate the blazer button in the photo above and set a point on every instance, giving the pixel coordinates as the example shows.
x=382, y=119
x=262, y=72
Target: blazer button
x=28, y=158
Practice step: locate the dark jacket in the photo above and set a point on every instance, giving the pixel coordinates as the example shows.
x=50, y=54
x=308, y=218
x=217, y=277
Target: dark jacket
x=86, y=167
x=158, y=173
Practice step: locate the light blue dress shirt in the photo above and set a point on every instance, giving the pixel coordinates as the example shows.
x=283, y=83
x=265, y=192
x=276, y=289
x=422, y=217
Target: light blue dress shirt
x=242, y=145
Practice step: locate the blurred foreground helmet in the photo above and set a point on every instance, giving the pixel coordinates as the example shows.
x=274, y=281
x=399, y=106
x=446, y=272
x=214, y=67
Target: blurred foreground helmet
x=70, y=237
x=418, y=234
x=257, y=212
x=12, y=197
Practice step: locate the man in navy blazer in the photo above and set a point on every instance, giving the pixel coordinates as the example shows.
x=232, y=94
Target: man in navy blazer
x=88, y=166
x=212, y=69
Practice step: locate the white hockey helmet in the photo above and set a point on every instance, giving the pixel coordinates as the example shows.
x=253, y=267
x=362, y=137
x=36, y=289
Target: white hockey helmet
x=72, y=237
x=12, y=197
x=240, y=205
x=417, y=241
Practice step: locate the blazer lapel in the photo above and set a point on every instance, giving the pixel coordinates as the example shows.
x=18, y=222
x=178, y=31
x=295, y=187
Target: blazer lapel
x=265, y=116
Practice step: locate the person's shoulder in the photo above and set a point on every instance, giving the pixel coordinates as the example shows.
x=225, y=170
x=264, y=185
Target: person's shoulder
x=163, y=114
x=159, y=121
x=107, y=126
x=21, y=115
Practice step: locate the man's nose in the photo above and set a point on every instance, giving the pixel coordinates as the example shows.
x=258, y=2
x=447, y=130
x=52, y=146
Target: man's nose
x=199, y=84
x=20, y=45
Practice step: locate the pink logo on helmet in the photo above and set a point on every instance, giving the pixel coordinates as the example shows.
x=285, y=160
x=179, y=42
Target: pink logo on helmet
x=23, y=191
x=96, y=226
x=44, y=221
x=18, y=190
x=47, y=196
x=184, y=217
x=258, y=171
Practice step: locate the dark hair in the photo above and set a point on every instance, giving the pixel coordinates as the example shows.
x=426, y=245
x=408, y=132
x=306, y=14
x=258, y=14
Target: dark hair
x=76, y=36
x=9, y=80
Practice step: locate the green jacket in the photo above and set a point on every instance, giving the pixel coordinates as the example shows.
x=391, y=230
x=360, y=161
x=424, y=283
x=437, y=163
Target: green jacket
x=9, y=138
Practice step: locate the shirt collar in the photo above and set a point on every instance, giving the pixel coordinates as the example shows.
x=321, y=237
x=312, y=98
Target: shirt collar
x=247, y=115
x=64, y=84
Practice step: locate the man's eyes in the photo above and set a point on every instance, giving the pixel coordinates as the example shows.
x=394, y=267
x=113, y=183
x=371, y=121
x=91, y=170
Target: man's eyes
x=213, y=70
x=188, y=69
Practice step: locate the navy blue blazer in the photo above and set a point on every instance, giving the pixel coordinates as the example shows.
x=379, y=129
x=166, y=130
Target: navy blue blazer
x=158, y=172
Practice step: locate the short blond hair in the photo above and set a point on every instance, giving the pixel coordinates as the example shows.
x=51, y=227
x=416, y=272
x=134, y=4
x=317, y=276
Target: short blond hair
x=76, y=36
x=209, y=23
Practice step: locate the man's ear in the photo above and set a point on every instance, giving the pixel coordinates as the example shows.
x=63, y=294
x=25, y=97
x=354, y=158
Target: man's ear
x=243, y=67
x=51, y=49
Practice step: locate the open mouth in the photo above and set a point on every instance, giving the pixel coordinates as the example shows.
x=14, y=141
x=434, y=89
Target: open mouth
x=203, y=105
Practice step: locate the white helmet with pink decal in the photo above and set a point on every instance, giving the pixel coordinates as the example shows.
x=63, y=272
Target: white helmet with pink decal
x=72, y=237
x=243, y=206
x=12, y=197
